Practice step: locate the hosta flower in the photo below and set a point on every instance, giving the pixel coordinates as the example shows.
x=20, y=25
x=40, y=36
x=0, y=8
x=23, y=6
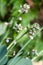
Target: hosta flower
x=35, y=52
x=24, y=9
x=18, y=27
x=26, y=6
x=31, y=34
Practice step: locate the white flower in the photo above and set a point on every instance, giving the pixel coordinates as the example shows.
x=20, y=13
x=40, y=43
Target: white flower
x=6, y=23
x=24, y=8
x=28, y=6
x=30, y=32
x=35, y=52
x=26, y=11
x=20, y=18
x=7, y=40
x=31, y=37
x=20, y=26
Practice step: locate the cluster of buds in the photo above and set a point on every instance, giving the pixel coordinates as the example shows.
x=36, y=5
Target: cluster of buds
x=34, y=29
x=31, y=34
x=36, y=26
x=35, y=52
x=18, y=27
x=24, y=9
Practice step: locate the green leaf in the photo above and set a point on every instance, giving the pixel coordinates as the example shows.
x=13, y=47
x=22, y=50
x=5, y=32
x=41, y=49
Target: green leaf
x=23, y=40
x=3, y=57
x=2, y=28
x=2, y=8
x=19, y=61
x=27, y=18
x=39, y=45
x=3, y=50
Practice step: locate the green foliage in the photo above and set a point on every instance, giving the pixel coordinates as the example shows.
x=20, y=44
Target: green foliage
x=3, y=8
x=3, y=57
x=20, y=37
x=2, y=28
x=29, y=17
x=19, y=60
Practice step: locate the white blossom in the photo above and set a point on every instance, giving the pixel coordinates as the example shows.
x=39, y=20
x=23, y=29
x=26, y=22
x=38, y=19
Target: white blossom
x=6, y=23
x=26, y=11
x=20, y=18
x=31, y=37
x=7, y=40
x=20, y=27
x=24, y=8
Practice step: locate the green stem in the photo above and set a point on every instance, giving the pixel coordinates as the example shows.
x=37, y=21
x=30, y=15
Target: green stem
x=40, y=53
x=17, y=38
x=23, y=48
x=24, y=45
x=4, y=37
x=27, y=43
